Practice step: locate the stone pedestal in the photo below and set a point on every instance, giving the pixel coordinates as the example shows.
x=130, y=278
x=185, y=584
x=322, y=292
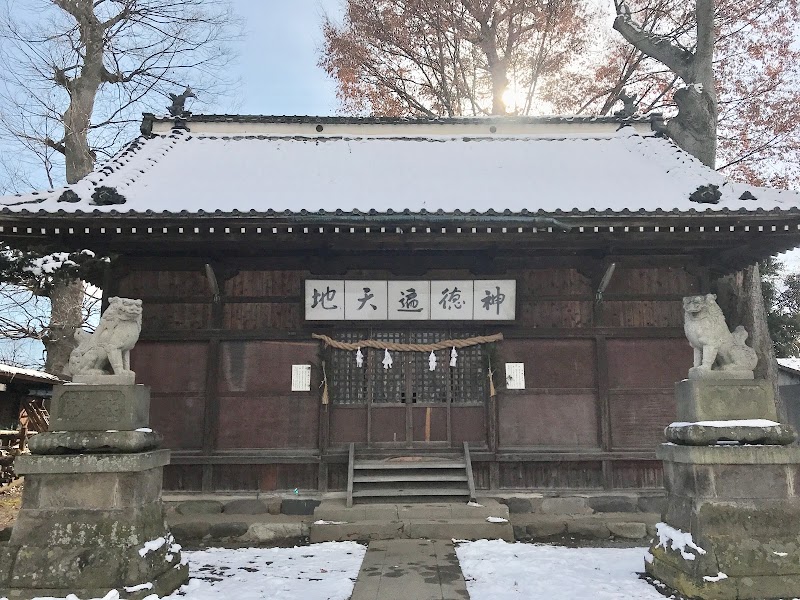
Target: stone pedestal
x=731, y=527
x=91, y=518
x=706, y=400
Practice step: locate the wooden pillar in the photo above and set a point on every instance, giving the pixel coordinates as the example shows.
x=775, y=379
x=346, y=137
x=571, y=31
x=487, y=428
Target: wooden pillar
x=603, y=406
x=493, y=439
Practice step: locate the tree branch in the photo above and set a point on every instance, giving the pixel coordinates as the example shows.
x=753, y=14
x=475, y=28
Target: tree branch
x=677, y=59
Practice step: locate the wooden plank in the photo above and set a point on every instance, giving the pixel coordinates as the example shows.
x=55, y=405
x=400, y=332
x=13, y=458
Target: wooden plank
x=211, y=407
x=399, y=476
x=603, y=402
x=510, y=332
x=383, y=493
x=539, y=455
x=350, y=461
x=410, y=464
x=470, y=480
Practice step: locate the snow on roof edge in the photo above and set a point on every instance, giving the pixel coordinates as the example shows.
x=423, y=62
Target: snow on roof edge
x=28, y=373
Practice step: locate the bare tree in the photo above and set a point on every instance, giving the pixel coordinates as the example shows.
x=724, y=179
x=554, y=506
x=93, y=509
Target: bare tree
x=75, y=74
x=453, y=57
x=694, y=128
x=25, y=316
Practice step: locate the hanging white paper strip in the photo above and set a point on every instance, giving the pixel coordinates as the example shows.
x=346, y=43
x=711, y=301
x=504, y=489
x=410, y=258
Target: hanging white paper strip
x=432, y=361
x=359, y=358
x=387, y=360
x=453, y=357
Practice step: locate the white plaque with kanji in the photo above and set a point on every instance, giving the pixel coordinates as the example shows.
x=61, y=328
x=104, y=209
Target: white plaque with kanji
x=409, y=300
x=324, y=300
x=494, y=299
x=365, y=300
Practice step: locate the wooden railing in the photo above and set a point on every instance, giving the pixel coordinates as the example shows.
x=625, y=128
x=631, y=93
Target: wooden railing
x=350, y=461
x=470, y=479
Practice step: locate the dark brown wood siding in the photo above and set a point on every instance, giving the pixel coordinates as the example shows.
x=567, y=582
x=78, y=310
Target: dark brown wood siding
x=599, y=376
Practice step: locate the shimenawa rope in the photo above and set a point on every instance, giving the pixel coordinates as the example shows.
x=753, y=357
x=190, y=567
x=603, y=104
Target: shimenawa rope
x=397, y=347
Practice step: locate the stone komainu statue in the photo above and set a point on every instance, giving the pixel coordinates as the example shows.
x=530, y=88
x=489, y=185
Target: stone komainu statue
x=104, y=356
x=718, y=352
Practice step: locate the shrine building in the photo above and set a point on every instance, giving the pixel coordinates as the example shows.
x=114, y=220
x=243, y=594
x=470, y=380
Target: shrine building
x=406, y=286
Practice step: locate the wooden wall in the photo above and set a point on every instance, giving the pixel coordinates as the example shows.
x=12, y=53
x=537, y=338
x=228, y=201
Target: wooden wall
x=599, y=377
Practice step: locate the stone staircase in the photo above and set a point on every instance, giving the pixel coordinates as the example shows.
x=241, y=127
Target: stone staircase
x=410, y=478
x=334, y=521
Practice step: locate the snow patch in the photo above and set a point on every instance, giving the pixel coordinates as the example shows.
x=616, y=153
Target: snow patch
x=324, y=571
x=139, y=588
x=714, y=578
x=678, y=540
x=33, y=373
x=323, y=522
x=498, y=570
x=733, y=423
x=648, y=557
x=152, y=546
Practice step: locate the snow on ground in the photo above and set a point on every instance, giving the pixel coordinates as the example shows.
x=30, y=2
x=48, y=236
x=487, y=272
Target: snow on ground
x=497, y=570
x=493, y=569
x=318, y=572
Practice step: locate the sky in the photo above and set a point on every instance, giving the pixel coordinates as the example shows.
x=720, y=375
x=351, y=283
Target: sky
x=278, y=61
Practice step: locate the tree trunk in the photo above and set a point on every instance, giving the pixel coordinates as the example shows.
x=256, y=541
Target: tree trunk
x=77, y=118
x=741, y=298
x=499, y=76
x=66, y=300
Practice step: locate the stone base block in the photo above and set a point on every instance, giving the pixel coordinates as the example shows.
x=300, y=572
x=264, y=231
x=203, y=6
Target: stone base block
x=99, y=407
x=163, y=585
x=767, y=587
x=110, y=491
x=701, y=373
x=697, y=434
x=58, y=551
x=90, y=463
x=73, y=442
x=127, y=378
x=740, y=508
x=724, y=400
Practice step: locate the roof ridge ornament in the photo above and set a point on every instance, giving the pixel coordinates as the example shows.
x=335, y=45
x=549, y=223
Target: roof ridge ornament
x=706, y=194
x=629, y=105
x=177, y=108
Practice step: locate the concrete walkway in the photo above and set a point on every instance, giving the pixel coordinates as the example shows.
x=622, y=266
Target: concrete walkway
x=410, y=570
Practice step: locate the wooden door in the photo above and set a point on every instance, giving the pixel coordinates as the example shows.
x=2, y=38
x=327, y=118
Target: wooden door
x=408, y=404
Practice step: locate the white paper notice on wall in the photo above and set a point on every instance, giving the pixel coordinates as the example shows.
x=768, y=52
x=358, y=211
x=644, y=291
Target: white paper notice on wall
x=515, y=376
x=301, y=378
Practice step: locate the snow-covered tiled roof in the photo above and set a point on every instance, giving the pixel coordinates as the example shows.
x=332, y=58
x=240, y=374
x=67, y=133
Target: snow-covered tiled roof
x=791, y=364
x=9, y=372
x=567, y=167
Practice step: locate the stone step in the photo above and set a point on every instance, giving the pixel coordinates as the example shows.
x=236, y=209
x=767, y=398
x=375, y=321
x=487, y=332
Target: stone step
x=440, y=529
x=335, y=510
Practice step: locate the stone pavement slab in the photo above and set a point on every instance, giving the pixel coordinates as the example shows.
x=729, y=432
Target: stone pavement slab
x=410, y=570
